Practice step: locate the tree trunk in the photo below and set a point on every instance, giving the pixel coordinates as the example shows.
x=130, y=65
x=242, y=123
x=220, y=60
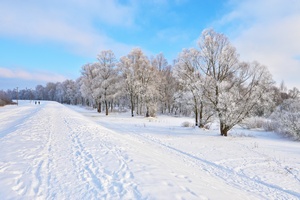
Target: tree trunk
x=99, y=107
x=132, y=105
x=196, y=115
x=201, y=125
x=224, y=129
x=137, y=105
x=147, y=112
x=141, y=106
x=112, y=105
x=106, y=108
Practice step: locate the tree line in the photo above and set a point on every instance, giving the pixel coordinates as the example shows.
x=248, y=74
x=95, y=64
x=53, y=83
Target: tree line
x=209, y=82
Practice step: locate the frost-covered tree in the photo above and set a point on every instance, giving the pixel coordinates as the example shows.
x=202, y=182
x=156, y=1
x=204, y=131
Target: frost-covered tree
x=139, y=82
x=90, y=84
x=50, y=90
x=294, y=93
x=69, y=93
x=40, y=92
x=150, y=83
x=188, y=77
x=191, y=81
x=166, y=84
x=78, y=95
x=59, y=92
x=287, y=118
x=167, y=87
x=107, y=75
x=183, y=102
x=159, y=61
x=233, y=88
x=131, y=85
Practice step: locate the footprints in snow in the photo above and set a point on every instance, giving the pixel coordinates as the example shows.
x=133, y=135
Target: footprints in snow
x=101, y=164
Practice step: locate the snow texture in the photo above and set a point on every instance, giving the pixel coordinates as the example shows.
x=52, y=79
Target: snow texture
x=50, y=151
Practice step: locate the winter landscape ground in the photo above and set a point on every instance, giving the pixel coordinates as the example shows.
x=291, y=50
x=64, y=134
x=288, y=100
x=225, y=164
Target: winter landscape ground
x=52, y=151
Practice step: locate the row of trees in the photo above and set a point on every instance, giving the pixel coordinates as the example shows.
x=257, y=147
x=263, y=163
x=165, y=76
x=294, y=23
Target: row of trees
x=209, y=82
x=67, y=92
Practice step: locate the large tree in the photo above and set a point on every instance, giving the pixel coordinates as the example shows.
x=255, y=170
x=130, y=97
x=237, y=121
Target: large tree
x=233, y=88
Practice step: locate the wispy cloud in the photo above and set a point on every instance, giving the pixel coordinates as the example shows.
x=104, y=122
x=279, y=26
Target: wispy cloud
x=32, y=76
x=171, y=35
x=267, y=31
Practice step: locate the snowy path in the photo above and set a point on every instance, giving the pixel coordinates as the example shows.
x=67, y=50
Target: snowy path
x=54, y=153
x=49, y=151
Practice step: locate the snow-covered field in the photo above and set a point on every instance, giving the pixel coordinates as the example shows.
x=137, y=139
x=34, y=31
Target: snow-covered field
x=52, y=151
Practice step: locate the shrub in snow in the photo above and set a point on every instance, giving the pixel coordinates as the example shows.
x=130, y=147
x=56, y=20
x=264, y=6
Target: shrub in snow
x=253, y=122
x=187, y=124
x=4, y=99
x=207, y=126
x=270, y=125
x=259, y=122
x=242, y=134
x=2, y=103
x=287, y=118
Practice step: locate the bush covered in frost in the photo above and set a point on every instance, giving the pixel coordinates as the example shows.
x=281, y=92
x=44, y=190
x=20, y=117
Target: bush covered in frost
x=253, y=122
x=259, y=123
x=287, y=118
x=187, y=124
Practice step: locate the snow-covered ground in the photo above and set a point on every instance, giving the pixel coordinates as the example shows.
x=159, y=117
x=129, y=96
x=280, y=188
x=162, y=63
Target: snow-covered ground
x=52, y=151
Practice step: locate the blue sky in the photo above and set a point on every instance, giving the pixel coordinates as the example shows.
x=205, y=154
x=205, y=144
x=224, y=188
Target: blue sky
x=43, y=41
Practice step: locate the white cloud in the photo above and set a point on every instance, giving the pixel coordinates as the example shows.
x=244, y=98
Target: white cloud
x=32, y=76
x=70, y=22
x=267, y=31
